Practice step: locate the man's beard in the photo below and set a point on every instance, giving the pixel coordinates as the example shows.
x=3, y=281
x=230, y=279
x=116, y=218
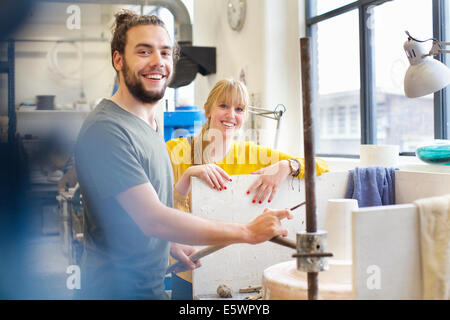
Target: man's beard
x=136, y=87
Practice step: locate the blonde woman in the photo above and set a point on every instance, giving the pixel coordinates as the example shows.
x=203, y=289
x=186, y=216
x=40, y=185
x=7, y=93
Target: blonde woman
x=214, y=156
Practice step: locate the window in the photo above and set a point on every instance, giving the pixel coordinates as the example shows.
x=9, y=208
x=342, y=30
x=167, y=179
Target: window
x=330, y=127
x=342, y=116
x=409, y=121
x=354, y=120
x=338, y=80
x=359, y=68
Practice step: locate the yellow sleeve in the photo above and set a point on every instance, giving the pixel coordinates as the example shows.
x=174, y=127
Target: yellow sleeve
x=180, y=201
x=177, y=149
x=263, y=154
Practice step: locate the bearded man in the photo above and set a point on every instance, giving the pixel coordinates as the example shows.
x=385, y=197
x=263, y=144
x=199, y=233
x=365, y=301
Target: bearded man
x=126, y=178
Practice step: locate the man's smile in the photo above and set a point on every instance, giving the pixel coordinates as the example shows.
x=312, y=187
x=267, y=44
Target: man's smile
x=154, y=76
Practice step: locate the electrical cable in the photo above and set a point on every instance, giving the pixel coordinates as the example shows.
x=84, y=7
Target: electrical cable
x=55, y=67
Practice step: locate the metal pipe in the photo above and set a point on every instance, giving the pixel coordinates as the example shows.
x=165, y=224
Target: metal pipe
x=180, y=14
x=181, y=18
x=277, y=133
x=313, y=286
x=308, y=141
x=308, y=136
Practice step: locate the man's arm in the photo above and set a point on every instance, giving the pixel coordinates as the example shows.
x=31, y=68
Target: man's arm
x=157, y=220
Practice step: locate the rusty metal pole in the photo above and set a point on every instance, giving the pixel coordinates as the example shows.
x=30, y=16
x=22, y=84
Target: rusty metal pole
x=310, y=167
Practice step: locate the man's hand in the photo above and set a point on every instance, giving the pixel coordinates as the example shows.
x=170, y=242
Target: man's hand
x=181, y=252
x=267, y=225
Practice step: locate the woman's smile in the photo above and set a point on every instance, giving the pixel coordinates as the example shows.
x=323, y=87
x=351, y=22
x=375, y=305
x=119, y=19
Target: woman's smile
x=228, y=125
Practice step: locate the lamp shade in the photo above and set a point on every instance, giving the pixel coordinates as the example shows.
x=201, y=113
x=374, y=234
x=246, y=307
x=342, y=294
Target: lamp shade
x=425, y=75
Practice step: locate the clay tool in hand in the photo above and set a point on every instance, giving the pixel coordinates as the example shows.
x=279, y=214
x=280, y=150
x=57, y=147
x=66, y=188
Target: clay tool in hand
x=210, y=249
x=286, y=242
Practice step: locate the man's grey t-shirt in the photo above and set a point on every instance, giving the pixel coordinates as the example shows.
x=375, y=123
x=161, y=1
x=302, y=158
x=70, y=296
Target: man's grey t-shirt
x=116, y=151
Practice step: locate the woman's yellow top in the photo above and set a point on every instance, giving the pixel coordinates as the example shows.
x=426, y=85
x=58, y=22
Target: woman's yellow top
x=244, y=157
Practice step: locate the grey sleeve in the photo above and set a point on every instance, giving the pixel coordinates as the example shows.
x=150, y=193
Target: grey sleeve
x=107, y=161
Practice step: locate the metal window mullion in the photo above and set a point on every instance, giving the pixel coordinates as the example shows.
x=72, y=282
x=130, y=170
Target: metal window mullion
x=441, y=98
x=312, y=19
x=310, y=11
x=367, y=79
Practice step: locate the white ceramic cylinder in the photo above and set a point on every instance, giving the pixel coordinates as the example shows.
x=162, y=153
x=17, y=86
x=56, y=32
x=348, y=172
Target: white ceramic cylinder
x=338, y=223
x=379, y=155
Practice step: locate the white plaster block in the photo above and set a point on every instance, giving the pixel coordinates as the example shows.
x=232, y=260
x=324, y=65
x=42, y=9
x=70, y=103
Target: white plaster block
x=410, y=186
x=386, y=253
x=241, y=265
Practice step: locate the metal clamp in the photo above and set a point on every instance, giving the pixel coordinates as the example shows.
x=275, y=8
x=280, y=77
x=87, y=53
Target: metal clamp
x=311, y=251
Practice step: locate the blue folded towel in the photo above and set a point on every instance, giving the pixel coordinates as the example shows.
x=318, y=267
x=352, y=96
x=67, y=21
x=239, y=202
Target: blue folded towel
x=371, y=186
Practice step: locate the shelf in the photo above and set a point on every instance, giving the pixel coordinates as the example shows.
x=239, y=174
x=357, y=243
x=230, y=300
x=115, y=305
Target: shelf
x=70, y=40
x=52, y=111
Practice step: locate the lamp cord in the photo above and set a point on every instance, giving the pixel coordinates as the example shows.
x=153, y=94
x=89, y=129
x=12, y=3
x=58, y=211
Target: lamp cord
x=411, y=38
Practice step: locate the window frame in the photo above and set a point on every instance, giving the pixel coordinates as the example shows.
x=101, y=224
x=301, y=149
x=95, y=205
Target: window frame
x=441, y=99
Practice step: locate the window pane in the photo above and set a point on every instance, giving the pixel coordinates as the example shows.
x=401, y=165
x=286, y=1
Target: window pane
x=400, y=120
x=338, y=85
x=328, y=5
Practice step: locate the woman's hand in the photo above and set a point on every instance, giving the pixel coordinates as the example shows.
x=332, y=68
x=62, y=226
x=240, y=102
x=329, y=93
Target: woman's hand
x=269, y=181
x=212, y=174
x=181, y=252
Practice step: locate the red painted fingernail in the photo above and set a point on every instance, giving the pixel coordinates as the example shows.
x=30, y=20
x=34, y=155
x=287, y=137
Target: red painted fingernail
x=248, y=192
x=220, y=189
x=214, y=187
x=269, y=201
x=260, y=201
x=231, y=180
x=254, y=201
x=225, y=188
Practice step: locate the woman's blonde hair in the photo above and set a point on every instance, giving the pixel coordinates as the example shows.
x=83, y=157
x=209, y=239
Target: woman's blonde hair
x=226, y=91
